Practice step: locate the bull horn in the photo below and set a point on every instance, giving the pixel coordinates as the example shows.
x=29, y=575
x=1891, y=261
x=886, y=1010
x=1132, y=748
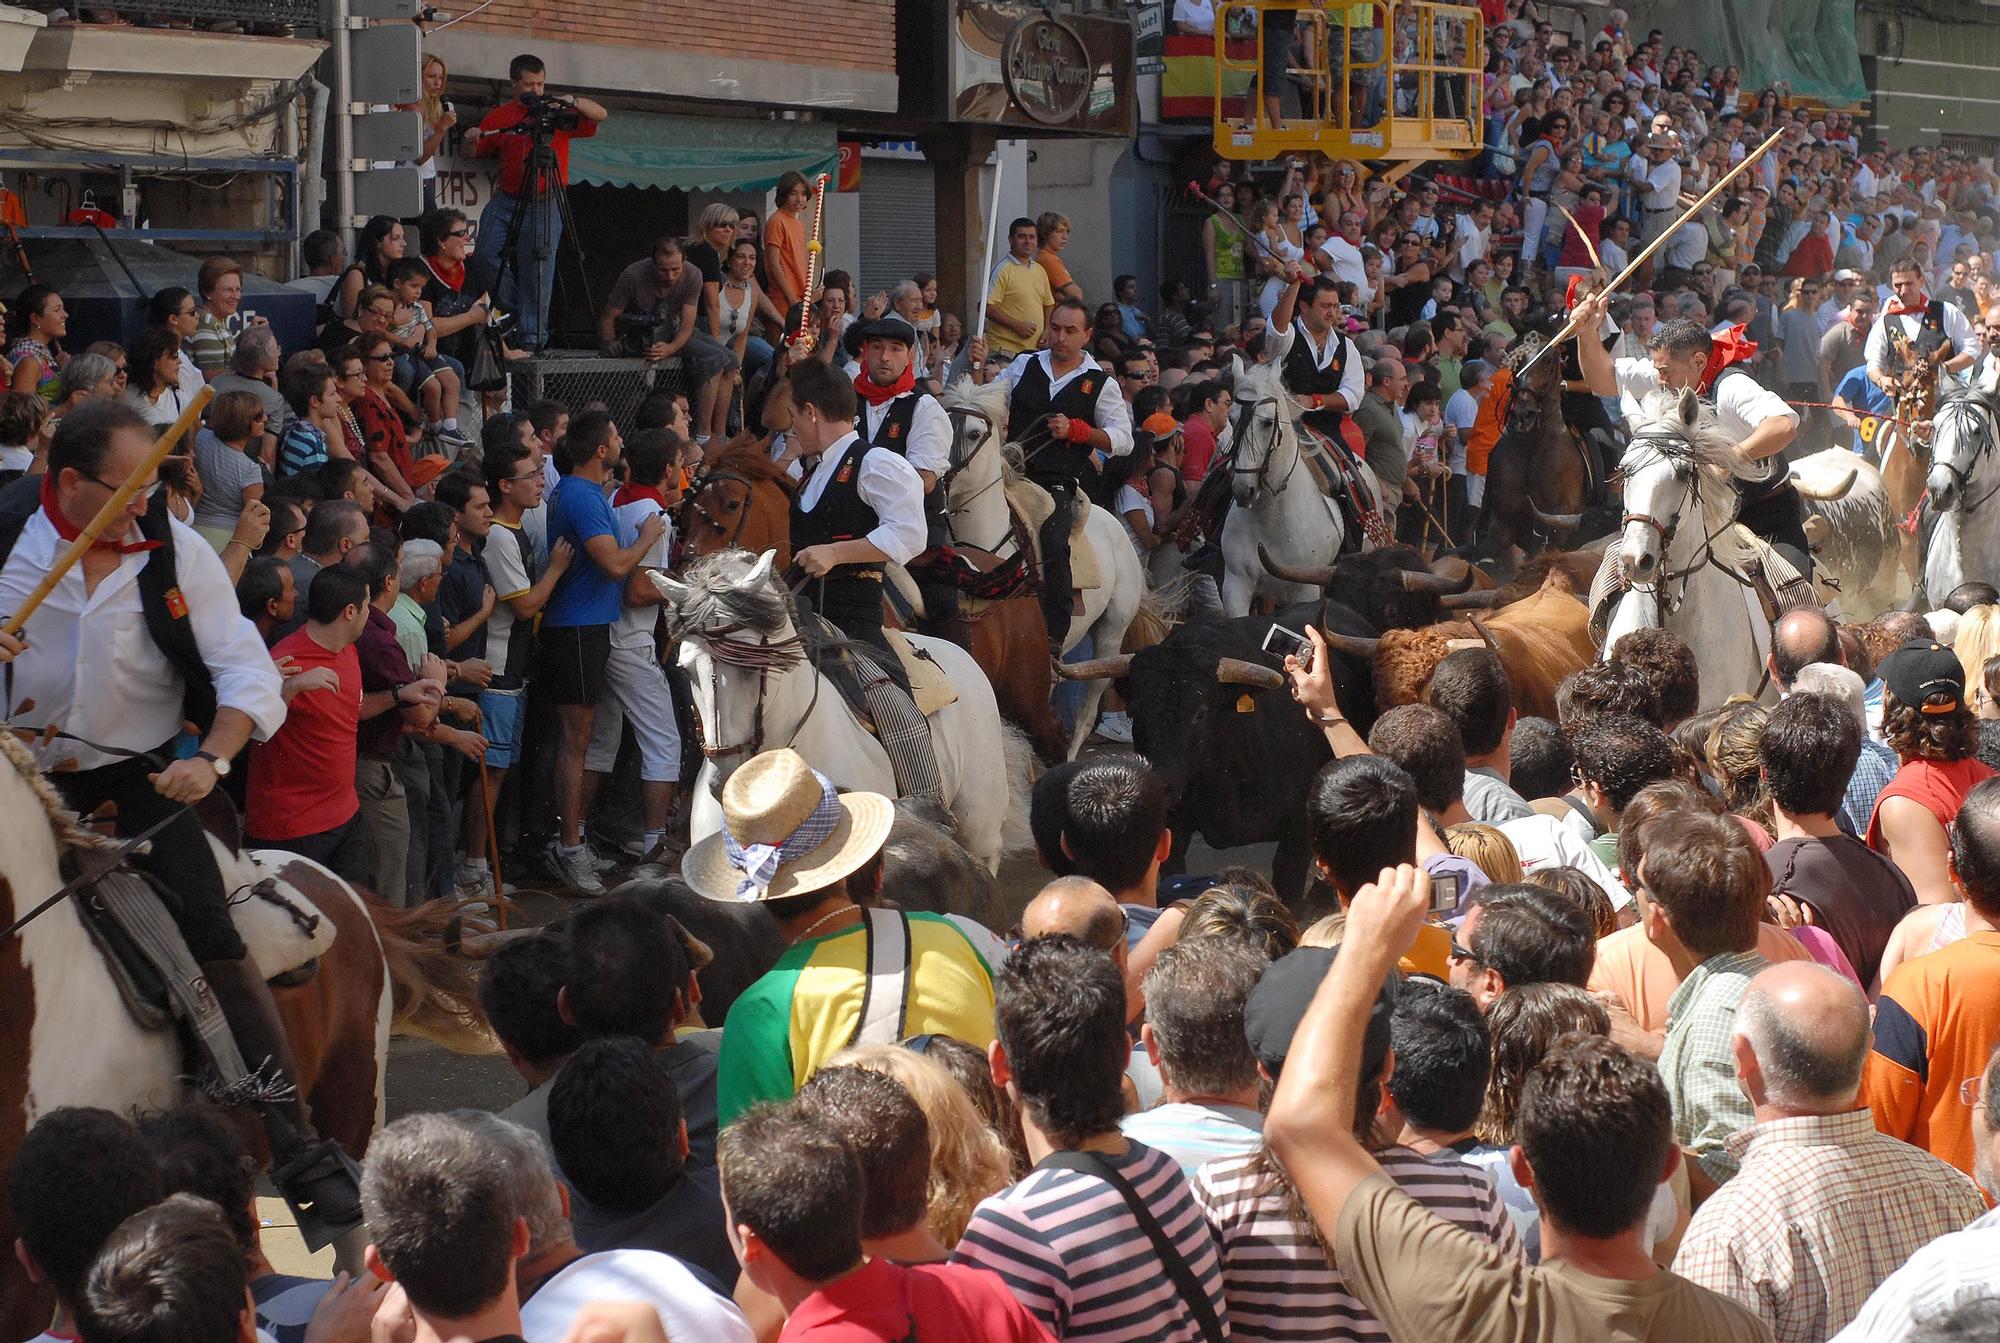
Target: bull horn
x=1417, y=581
x=1309, y=575
x=1482, y=600
x=1096, y=669
x=1351, y=644
x=1825, y=495
x=479, y=946
x=1236, y=671
x=673, y=590
x=1485, y=634
x=1562, y=522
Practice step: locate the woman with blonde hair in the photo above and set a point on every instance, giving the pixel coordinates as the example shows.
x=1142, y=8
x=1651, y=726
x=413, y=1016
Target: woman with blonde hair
x=968, y=1160
x=438, y=117
x=1732, y=753
x=1977, y=640
x=1487, y=849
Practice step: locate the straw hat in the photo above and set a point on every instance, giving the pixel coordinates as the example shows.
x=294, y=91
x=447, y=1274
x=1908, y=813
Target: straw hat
x=785, y=832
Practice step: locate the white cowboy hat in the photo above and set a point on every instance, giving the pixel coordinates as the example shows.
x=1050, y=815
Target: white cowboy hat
x=785, y=832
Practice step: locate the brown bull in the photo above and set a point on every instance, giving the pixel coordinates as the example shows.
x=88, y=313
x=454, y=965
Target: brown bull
x=1539, y=639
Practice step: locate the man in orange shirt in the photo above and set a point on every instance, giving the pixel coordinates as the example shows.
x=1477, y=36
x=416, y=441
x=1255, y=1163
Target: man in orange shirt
x=1052, y=231
x=785, y=242
x=1939, y=1015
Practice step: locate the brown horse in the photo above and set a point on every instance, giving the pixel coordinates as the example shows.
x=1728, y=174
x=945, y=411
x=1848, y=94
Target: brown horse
x=742, y=499
x=1540, y=477
x=66, y=1037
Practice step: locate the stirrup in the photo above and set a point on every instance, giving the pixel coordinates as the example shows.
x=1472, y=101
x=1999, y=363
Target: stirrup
x=322, y=1185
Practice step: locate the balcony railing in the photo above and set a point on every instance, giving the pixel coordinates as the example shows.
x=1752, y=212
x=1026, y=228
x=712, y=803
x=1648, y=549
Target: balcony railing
x=251, y=15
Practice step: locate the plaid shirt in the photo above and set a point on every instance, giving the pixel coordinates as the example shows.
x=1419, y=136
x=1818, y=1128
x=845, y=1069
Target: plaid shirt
x=1699, y=1062
x=1823, y=1210
x=1872, y=772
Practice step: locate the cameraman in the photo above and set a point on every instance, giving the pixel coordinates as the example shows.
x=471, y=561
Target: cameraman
x=654, y=314
x=505, y=133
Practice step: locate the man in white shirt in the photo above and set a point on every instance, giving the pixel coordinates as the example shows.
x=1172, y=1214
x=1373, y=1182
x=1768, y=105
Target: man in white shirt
x=1658, y=178
x=1340, y=255
x=1472, y=238
x=1756, y=419
x=1613, y=247
x=95, y=670
x=1934, y=332
x=1845, y=284
x=635, y=685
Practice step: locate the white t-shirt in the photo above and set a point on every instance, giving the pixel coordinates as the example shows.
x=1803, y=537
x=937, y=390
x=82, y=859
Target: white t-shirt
x=1345, y=258
x=1198, y=15
x=1957, y=329
x=1543, y=841
x=1741, y=403
x=687, y=1308
x=635, y=624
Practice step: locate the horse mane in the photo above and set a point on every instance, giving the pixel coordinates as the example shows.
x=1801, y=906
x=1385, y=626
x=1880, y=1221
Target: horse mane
x=1705, y=443
x=746, y=455
x=70, y=832
x=717, y=596
x=989, y=399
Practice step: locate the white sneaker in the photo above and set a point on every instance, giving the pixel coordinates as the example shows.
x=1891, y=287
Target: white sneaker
x=1116, y=726
x=577, y=870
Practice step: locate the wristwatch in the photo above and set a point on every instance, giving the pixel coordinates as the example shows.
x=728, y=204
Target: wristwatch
x=215, y=762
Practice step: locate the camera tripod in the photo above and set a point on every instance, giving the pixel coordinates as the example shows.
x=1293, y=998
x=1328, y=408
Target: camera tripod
x=542, y=201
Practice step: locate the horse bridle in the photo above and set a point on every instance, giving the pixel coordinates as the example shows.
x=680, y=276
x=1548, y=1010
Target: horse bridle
x=1964, y=402
x=1668, y=530
x=701, y=485
x=1263, y=467
x=763, y=657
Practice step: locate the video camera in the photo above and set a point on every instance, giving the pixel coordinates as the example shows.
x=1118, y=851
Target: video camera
x=549, y=113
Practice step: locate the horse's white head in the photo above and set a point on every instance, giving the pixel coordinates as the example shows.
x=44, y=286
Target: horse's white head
x=1264, y=414
x=1679, y=459
x=730, y=587
x=1962, y=442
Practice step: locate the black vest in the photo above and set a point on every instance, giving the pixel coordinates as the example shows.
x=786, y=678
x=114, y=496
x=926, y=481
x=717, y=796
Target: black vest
x=894, y=434
x=1752, y=493
x=160, y=601
x=1028, y=411
x=851, y=592
x=1304, y=378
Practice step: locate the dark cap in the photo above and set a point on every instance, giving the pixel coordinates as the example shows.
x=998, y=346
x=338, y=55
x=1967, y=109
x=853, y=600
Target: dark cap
x=890, y=326
x=1926, y=675
x=1279, y=1003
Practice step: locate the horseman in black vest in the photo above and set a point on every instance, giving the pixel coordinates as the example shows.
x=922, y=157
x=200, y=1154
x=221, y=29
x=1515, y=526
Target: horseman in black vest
x=1321, y=367
x=911, y=424
x=1917, y=335
x=1063, y=409
x=143, y=634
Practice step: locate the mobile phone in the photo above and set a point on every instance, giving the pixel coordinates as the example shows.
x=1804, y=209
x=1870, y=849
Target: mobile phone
x=1282, y=643
x=1447, y=889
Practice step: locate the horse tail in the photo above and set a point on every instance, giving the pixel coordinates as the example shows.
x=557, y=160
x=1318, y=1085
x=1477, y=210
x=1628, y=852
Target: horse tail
x=1019, y=753
x=1149, y=626
x=435, y=986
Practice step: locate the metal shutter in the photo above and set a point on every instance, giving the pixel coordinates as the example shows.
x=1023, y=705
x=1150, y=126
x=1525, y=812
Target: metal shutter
x=898, y=223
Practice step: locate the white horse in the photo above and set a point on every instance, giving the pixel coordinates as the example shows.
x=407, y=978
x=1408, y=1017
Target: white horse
x=976, y=505
x=1680, y=544
x=1279, y=508
x=1964, y=544
x=755, y=690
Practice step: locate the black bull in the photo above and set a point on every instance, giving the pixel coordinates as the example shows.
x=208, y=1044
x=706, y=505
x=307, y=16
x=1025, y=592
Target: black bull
x=1239, y=759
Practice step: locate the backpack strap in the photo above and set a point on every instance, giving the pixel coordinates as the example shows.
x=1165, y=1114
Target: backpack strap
x=1185, y=1283
x=885, y=999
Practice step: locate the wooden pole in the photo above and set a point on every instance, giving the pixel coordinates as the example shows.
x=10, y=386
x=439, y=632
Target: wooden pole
x=114, y=508
x=992, y=236
x=815, y=267
x=492, y=843
x=1569, y=327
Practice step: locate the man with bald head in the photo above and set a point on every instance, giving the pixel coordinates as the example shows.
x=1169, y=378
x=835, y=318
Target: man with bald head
x=1082, y=908
x=1824, y=1207
x=1801, y=637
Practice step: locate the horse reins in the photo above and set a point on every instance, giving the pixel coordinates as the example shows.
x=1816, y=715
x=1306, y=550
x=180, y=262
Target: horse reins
x=1969, y=403
x=763, y=657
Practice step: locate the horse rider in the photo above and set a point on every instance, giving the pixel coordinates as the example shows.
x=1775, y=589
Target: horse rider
x=860, y=507
x=897, y=415
x=1063, y=407
x=1324, y=372
x=1684, y=356
x=142, y=634
x=1916, y=335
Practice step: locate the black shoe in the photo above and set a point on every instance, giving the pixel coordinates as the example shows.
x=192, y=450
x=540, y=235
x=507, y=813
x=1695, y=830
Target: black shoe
x=323, y=1186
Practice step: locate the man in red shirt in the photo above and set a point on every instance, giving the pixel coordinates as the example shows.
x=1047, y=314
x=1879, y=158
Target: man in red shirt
x=503, y=133
x=301, y=795
x=1208, y=405
x=792, y=1192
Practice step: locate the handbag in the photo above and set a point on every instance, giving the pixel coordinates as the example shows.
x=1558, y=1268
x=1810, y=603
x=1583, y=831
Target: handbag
x=487, y=372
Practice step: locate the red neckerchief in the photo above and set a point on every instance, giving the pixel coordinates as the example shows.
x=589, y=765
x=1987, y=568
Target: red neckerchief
x=882, y=396
x=1569, y=294
x=1731, y=347
x=450, y=274
x=1896, y=308
x=69, y=531
x=632, y=494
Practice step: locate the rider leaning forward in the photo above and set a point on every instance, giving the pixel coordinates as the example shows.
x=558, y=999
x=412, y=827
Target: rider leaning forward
x=1683, y=356
x=117, y=659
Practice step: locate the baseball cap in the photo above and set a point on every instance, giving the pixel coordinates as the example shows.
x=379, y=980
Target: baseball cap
x=1161, y=425
x=1925, y=675
x=1846, y=277
x=1275, y=1007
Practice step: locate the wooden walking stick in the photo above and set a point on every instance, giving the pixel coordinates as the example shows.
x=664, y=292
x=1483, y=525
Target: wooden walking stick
x=1646, y=254
x=114, y=508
